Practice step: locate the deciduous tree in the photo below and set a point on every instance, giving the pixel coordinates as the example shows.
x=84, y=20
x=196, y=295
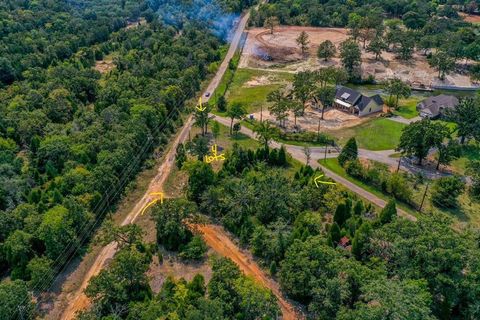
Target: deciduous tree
x=351, y=57
x=235, y=111
x=326, y=50
x=303, y=41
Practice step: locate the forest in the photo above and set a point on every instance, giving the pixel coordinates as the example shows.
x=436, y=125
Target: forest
x=410, y=270
x=71, y=138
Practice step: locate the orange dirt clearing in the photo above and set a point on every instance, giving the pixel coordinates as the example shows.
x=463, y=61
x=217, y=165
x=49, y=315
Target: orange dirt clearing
x=216, y=237
x=470, y=18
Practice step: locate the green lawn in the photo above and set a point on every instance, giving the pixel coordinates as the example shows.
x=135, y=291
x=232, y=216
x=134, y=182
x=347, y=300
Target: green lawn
x=376, y=134
x=407, y=108
x=334, y=166
x=470, y=151
x=254, y=97
x=226, y=141
x=466, y=215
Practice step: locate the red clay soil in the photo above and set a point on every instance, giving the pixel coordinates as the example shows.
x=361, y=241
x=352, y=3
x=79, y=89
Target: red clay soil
x=216, y=237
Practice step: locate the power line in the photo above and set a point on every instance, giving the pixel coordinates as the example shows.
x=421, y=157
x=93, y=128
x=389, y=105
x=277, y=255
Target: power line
x=71, y=249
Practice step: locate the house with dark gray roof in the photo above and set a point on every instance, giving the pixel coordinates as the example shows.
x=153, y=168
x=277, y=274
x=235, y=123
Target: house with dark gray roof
x=354, y=102
x=434, y=107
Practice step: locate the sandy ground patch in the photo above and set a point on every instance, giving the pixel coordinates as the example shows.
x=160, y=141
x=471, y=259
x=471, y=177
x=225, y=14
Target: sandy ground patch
x=176, y=268
x=332, y=119
x=104, y=66
x=134, y=24
x=279, y=51
x=259, y=81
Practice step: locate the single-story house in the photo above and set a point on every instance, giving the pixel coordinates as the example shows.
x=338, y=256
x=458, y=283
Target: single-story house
x=354, y=102
x=434, y=107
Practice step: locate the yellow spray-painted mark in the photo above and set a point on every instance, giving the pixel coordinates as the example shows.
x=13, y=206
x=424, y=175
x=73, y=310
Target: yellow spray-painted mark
x=215, y=156
x=317, y=181
x=151, y=203
x=200, y=106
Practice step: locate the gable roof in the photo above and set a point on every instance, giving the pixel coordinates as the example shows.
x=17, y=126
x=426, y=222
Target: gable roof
x=365, y=101
x=434, y=105
x=355, y=98
x=347, y=95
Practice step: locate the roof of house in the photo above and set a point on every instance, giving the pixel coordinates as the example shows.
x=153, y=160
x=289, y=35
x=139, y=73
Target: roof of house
x=347, y=95
x=353, y=97
x=434, y=105
x=365, y=101
x=344, y=241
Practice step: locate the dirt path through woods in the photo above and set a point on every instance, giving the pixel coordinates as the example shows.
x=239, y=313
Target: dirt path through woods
x=216, y=237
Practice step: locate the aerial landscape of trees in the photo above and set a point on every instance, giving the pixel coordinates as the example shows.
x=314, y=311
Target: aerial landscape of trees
x=71, y=138
x=93, y=92
x=388, y=257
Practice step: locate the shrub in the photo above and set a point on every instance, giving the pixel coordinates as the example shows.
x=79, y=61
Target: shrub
x=307, y=136
x=446, y=190
x=355, y=169
x=194, y=250
x=397, y=186
x=388, y=213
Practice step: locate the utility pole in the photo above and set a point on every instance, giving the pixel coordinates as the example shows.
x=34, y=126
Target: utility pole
x=261, y=113
x=399, y=161
x=424, y=196
x=326, y=147
x=318, y=130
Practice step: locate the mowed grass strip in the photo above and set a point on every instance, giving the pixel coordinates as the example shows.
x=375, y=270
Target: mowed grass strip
x=333, y=165
x=376, y=134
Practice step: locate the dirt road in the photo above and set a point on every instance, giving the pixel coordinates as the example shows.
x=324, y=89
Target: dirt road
x=216, y=237
x=317, y=153
x=78, y=301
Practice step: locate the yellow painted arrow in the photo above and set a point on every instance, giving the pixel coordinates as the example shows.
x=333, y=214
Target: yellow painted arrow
x=151, y=203
x=200, y=106
x=317, y=181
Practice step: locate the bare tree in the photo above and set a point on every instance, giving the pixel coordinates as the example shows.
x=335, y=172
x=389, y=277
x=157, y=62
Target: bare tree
x=308, y=153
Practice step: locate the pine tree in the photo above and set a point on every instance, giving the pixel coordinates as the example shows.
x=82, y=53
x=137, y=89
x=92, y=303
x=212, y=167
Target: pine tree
x=273, y=268
x=181, y=156
x=335, y=234
x=273, y=157
x=359, y=208
x=222, y=104
x=349, y=152
x=388, y=213
x=340, y=215
x=282, y=157
x=361, y=238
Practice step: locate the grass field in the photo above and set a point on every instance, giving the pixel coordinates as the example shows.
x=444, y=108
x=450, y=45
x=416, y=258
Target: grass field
x=470, y=151
x=334, y=166
x=376, y=134
x=252, y=97
x=225, y=141
x=407, y=108
x=467, y=214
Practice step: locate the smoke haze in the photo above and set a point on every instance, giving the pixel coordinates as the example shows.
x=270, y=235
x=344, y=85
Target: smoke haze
x=205, y=12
